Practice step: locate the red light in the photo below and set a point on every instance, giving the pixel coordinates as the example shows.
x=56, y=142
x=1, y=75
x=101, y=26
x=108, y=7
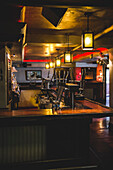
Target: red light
x=62, y=60
x=20, y=6
x=87, y=54
x=37, y=61
x=19, y=20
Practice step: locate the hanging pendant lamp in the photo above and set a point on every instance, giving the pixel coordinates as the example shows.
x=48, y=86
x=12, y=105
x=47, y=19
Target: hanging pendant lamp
x=68, y=56
x=87, y=37
x=58, y=60
x=47, y=66
x=51, y=64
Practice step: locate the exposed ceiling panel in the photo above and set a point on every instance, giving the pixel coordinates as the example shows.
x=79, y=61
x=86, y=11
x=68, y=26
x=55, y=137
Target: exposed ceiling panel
x=74, y=22
x=43, y=34
x=53, y=15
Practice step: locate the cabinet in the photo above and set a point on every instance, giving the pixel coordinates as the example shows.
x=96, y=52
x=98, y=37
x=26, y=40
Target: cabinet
x=94, y=90
x=5, y=78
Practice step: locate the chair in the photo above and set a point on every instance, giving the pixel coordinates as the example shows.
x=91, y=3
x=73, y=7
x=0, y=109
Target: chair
x=53, y=97
x=44, y=91
x=80, y=94
x=57, y=98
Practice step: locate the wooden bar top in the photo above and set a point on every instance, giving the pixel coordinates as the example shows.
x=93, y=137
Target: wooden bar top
x=72, y=84
x=82, y=108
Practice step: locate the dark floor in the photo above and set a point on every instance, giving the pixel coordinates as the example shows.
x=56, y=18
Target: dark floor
x=101, y=142
x=101, y=148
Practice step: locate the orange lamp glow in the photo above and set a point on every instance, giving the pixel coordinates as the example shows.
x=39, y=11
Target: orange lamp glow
x=51, y=64
x=68, y=57
x=58, y=62
x=47, y=65
x=88, y=41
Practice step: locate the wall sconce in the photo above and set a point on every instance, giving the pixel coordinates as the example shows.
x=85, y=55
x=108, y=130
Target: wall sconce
x=47, y=66
x=58, y=62
x=88, y=37
x=68, y=56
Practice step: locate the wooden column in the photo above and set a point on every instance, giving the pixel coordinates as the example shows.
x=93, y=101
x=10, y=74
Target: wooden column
x=111, y=82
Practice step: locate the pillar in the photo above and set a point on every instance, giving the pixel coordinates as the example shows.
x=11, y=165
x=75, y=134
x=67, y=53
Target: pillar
x=111, y=83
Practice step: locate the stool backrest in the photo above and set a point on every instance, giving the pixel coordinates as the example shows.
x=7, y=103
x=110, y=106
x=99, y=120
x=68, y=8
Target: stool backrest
x=60, y=92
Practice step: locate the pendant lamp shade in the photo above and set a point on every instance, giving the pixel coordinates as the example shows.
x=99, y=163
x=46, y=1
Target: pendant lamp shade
x=51, y=64
x=88, y=41
x=47, y=66
x=88, y=36
x=58, y=62
x=68, y=57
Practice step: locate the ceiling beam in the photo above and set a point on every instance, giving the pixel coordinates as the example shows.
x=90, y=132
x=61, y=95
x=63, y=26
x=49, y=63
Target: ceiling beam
x=22, y=14
x=107, y=30
x=48, y=38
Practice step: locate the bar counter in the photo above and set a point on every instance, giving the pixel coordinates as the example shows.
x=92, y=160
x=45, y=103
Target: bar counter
x=34, y=135
x=83, y=108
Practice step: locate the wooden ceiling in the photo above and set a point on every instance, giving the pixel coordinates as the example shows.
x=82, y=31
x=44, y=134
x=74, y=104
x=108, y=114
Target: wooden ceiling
x=43, y=39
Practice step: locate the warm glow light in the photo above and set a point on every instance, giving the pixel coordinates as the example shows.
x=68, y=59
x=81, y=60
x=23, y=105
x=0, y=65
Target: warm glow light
x=8, y=56
x=68, y=57
x=51, y=64
x=88, y=41
x=23, y=53
x=97, y=61
x=100, y=74
x=58, y=45
x=101, y=124
x=47, y=65
x=47, y=51
x=58, y=63
x=51, y=48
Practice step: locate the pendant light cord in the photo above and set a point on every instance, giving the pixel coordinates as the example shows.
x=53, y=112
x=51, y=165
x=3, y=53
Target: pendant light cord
x=87, y=22
x=87, y=14
x=68, y=42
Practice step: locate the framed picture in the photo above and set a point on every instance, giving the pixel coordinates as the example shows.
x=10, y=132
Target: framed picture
x=33, y=75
